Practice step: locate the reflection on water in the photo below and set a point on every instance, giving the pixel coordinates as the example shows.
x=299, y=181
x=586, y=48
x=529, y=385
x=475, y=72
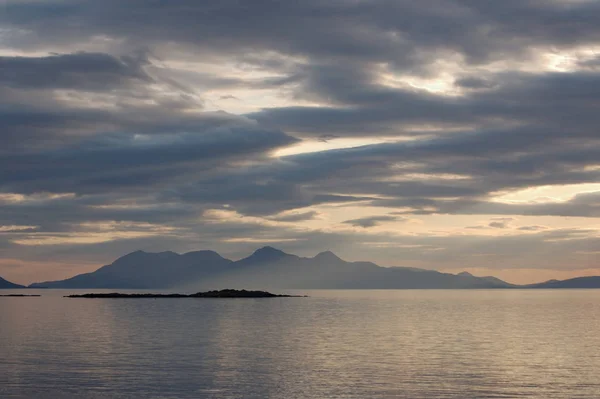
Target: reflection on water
x=335, y=344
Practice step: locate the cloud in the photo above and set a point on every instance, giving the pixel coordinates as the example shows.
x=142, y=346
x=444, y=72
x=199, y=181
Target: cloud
x=581, y=205
x=79, y=71
x=296, y=216
x=17, y=229
x=373, y=221
x=349, y=30
x=501, y=223
x=133, y=114
x=474, y=83
x=127, y=161
x=533, y=228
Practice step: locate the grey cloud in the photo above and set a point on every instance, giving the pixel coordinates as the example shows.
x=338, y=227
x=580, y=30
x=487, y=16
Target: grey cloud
x=126, y=161
x=366, y=173
x=474, y=83
x=533, y=228
x=400, y=32
x=501, y=223
x=296, y=217
x=213, y=81
x=252, y=195
x=361, y=107
x=498, y=225
x=82, y=71
x=372, y=221
x=582, y=205
x=63, y=214
x=590, y=63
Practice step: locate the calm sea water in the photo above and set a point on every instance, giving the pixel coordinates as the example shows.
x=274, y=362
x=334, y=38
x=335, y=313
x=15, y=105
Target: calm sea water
x=335, y=344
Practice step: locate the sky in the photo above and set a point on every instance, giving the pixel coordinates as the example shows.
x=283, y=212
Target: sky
x=456, y=135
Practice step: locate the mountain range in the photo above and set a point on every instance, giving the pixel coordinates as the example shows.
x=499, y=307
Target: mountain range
x=269, y=267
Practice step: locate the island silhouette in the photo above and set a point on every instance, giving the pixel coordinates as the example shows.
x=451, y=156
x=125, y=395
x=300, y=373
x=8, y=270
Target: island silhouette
x=226, y=293
x=271, y=268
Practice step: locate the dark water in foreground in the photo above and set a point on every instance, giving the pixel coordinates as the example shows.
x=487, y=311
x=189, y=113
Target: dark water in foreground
x=335, y=344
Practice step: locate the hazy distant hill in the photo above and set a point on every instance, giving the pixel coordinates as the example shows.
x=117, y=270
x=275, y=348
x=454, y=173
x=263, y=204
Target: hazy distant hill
x=266, y=268
x=271, y=268
x=578, y=282
x=4, y=284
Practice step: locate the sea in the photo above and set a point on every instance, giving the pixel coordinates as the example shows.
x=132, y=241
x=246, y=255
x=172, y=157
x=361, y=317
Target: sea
x=332, y=344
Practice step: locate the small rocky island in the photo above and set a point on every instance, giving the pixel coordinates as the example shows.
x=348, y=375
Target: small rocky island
x=18, y=295
x=227, y=293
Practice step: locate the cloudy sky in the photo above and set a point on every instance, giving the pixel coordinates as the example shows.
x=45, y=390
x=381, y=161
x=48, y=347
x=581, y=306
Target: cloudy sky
x=450, y=135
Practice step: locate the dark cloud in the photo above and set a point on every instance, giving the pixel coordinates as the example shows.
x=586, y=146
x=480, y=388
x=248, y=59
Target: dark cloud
x=127, y=161
x=66, y=213
x=401, y=32
x=79, y=71
x=474, y=83
x=501, y=223
x=590, y=63
x=252, y=195
x=361, y=107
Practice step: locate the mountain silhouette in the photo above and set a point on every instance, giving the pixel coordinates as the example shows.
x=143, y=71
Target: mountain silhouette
x=578, y=282
x=146, y=270
x=5, y=284
x=327, y=256
x=265, y=255
x=269, y=267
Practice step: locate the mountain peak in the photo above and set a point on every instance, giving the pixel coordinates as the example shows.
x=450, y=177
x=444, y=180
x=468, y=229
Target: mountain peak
x=206, y=252
x=327, y=256
x=266, y=254
x=268, y=251
x=465, y=274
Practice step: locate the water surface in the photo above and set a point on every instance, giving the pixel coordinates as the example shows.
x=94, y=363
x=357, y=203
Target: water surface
x=335, y=344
